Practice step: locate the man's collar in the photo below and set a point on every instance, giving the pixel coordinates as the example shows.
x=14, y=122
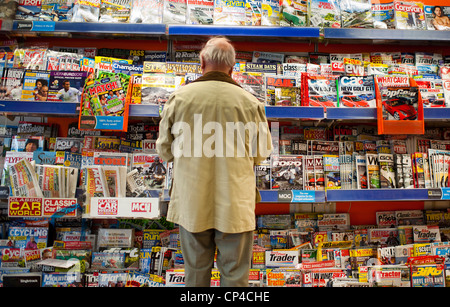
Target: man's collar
x=217, y=76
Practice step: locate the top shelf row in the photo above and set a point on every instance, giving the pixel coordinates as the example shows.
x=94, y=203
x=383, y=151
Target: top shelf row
x=176, y=30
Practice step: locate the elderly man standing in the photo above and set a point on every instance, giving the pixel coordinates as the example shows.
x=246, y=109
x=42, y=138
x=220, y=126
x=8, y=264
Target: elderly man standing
x=215, y=133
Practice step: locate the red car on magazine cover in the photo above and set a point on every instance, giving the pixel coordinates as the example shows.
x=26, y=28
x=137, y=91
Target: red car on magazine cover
x=401, y=108
x=320, y=101
x=354, y=102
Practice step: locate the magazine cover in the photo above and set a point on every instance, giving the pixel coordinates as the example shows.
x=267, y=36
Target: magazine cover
x=28, y=10
x=251, y=82
x=112, y=11
x=387, y=171
x=66, y=86
x=287, y=172
x=294, y=13
x=437, y=17
x=174, y=11
x=409, y=15
x=331, y=167
x=12, y=83
x=263, y=175
x=55, y=10
x=282, y=91
x=104, y=105
x=229, y=13
x=146, y=11
x=373, y=171
x=35, y=85
x=157, y=87
x=356, y=14
x=356, y=92
x=200, y=12
x=270, y=11
x=325, y=14
x=253, y=12
x=23, y=180
x=28, y=237
x=112, y=280
x=320, y=90
x=151, y=169
x=85, y=11
x=383, y=14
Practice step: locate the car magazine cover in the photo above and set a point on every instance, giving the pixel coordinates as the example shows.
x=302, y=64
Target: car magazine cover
x=200, y=12
x=409, y=15
x=146, y=11
x=432, y=92
x=383, y=14
x=319, y=90
x=437, y=17
x=356, y=92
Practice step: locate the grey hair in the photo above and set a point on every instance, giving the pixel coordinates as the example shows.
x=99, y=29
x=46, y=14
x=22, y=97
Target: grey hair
x=219, y=51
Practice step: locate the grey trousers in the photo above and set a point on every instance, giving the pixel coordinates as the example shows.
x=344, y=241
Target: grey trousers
x=234, y=254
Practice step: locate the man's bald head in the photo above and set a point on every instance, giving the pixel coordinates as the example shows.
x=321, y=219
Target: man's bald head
x=218, y=54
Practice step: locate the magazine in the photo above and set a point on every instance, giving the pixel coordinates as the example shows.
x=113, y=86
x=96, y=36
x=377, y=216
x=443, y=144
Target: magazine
x=437, y=17
x=409, y=15
x=325, y=14
x=229, y=13
x=270, y=11
x=356, y=14
x=28, y=10
x=55, y=10
x=146, y=11
x=66, y=86
x=112, y=11
x=12, y=83
x=85, y=11
x=174, y=11
x=383, y=14
x=287, y=172
x=356, y=92
x=294, y=13
x=282, y=91
x=200, y=12
x=373, y=171
x=23, y=180
x=387, y=171
x=35, y=85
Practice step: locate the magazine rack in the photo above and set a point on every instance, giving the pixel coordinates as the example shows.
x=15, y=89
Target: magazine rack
x=399, y=126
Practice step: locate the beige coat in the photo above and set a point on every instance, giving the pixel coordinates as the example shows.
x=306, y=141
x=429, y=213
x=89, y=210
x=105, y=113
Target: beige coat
x=214, y=185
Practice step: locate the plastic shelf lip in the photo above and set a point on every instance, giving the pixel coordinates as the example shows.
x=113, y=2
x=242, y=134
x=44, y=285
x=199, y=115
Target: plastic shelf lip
x=143, y=110
x=37, y=107
x=295, y=112
x=292, y=196
x=351, y=113
x=436, y=113
x=377, y=195
x=386, y=34
x=98, y=27
x=294, y=32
